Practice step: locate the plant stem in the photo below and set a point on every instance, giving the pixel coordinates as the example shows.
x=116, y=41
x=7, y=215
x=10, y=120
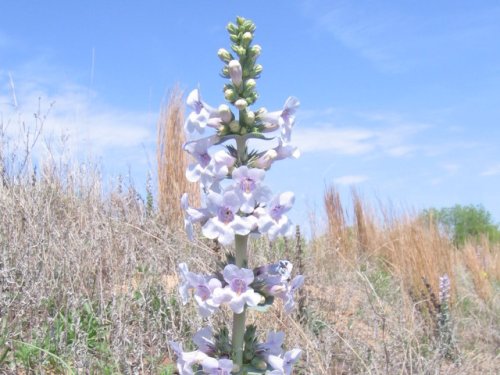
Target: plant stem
x=241, y=147
x=239, y=319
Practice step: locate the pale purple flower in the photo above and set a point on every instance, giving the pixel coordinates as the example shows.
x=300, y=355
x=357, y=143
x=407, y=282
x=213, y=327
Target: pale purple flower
x=281, y=269
x=272, y=346
x=226, y=222
x=213, y=366
x=203, y=339
x=288, y=294
x=248, y=185
x=283, y=365
x=237, y=292
x=274, y=280
x=198, y=149
x=271, y=219
x=285, y=118
x=444, y=289
x=204, y=288
x=285, y=150
x=280, y=152
x=216, y=170
x=192, y=216
x=202, y=114
x=185, y=284
x=265, y=160
x=186, y=360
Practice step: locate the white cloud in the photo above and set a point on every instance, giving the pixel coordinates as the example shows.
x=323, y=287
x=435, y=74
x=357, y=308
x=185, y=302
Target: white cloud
x=493, y=170
x=395, y=39
x=72, y=111
x=350, y=180
x=341, y=141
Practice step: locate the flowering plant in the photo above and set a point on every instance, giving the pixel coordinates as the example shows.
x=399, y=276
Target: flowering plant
x=237, y=204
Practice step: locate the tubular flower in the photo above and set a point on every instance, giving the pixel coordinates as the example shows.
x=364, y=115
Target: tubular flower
x=272, y=346
x=216, y=170
x=203, y=339
x=192, y=215
x=204, y=288
x=202, y=114
x=285, y=118
x=213, y=366
x=198, y=149
x=237, y=292
x=226, y=222
x=186, y=360
x=248, y=185
x=283, y=365
x=271, y=219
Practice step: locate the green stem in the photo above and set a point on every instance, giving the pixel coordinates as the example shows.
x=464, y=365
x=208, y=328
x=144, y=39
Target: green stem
x=241, y=147
x=239, y=319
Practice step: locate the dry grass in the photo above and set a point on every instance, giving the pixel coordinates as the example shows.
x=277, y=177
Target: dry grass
x=88, y=285
x=173, y=161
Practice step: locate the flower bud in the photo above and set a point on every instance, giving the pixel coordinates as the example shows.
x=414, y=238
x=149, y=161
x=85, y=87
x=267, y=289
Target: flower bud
x=257, y=69
x=248, y=26
x=230, y=95
x=224, y=55
x=239, y=50
x=249, y=118
x=250, y=84
x=234, y=126
x=225, y=72
x=255, y=50
x=243, y=131
x=232, y=28
x=240, y=20
x=252, y=98
x=241, y=104
x=259, y=363
x=235, y=72
x=246, y=39
x=225, y=113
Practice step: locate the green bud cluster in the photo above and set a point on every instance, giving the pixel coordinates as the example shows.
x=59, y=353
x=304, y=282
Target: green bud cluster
x=242, y=93
x=223, y=347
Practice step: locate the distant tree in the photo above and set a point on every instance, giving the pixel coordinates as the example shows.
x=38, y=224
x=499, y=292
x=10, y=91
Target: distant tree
x=465, y=222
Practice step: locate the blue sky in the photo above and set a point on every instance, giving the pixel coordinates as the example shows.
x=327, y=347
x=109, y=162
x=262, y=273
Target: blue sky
x=400, y=99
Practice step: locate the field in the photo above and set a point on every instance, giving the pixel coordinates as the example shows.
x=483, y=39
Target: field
x=88, y=279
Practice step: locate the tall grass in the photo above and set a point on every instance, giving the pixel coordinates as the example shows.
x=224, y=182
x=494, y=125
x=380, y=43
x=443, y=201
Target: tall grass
x=172, y=160
x=88, y=281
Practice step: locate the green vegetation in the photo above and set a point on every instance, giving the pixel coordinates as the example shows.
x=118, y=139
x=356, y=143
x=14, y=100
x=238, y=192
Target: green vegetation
x=464, y=223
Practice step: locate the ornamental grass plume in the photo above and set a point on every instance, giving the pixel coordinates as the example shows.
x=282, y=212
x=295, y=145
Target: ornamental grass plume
x=236, y=204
